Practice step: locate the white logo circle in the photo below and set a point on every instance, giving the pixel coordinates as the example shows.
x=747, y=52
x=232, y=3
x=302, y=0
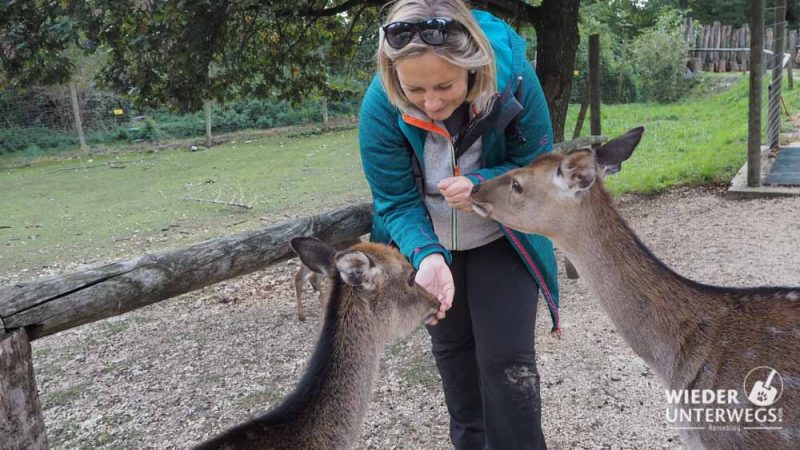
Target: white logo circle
x=765, y=386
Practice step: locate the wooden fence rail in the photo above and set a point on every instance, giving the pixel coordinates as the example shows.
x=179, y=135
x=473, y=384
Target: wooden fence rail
x=54, y=304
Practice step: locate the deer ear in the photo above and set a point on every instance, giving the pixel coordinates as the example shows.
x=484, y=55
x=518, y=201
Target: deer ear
x=613, y=153
x=577, y=171
x=357, y=269
x=315, y=254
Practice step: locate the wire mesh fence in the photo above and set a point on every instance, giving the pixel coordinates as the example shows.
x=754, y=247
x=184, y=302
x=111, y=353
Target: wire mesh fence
x=43, y=120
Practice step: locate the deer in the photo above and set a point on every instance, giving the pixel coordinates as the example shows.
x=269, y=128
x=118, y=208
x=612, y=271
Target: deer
x=305, y=275
x=373, y=299
x=700, y=340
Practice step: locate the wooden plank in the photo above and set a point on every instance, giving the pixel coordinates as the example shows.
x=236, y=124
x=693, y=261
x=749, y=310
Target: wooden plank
x=58, y=303
x=21, y=422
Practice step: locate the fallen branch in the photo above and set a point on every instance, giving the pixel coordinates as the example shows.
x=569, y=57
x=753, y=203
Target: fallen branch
x=219, y=202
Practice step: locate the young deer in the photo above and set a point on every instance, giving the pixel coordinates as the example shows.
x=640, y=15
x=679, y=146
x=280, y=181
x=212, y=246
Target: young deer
x=305, y=275
x=373, y=299
x=695, y=337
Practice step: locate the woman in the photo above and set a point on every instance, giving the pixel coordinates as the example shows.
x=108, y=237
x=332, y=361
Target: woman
x=455, y=103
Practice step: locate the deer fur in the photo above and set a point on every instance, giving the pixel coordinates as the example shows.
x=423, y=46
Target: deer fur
x=305, y=275
x=694, y=336
x=373, y=299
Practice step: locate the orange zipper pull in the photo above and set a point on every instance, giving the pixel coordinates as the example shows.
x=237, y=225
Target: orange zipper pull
x=457, y=171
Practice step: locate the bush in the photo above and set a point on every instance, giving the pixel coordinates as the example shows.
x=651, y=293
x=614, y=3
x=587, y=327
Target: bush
x=658, y=56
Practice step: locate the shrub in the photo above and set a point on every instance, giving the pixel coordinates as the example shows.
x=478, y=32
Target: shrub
x=658, y=56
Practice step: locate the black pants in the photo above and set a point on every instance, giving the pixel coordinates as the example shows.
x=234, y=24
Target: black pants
x=485, y=355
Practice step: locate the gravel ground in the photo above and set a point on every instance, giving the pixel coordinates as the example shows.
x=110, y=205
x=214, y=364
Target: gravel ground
x=171, y=374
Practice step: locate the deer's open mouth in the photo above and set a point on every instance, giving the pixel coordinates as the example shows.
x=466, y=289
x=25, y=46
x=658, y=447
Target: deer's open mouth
x=482, y=209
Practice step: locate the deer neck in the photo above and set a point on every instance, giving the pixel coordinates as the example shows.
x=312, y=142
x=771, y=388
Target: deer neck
x=344, y=388
x=653, y=308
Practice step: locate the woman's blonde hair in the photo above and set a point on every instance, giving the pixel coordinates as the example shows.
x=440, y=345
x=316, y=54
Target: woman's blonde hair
x=470, y=50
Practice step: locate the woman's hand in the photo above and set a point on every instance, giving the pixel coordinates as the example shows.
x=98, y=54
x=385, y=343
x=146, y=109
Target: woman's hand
x=435, y=276
x=456, y=191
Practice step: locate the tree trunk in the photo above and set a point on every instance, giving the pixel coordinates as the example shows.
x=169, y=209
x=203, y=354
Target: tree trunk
x=557, y=35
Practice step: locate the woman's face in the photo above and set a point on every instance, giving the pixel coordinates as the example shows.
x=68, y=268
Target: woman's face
x=433, y=84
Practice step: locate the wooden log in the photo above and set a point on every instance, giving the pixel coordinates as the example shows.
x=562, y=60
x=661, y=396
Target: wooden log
x=21, y=422
x=58, y=303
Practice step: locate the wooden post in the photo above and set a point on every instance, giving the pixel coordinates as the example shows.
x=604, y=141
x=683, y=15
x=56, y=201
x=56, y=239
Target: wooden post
x=21, y=422
x=76, y=115
x=792, y=55
x=594, y=80
x=208, y=123
x=325, y=120
x=582, y=112
x=756, y=77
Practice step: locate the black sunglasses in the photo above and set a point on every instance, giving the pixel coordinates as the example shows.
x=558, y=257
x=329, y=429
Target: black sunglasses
x=431, y=31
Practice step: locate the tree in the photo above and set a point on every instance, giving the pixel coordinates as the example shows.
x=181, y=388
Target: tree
x=181, y=53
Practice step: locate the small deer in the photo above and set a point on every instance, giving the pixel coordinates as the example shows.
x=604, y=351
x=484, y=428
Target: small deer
x=697, y=338
x=305, y=275
x=373, y=299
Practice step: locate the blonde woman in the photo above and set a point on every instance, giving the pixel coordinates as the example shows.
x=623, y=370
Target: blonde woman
x=454, y=103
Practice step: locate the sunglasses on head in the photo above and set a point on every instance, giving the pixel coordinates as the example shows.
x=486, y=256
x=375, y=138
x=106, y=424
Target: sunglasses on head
x=431, y=31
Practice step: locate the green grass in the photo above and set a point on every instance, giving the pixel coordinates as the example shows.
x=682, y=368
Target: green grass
x=59, y=212
x=699, y=141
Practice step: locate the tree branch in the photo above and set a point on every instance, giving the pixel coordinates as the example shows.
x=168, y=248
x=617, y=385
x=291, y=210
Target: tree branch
x=312, y=12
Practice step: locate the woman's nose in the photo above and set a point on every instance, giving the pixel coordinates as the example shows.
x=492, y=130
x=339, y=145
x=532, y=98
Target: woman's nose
x=433, y=103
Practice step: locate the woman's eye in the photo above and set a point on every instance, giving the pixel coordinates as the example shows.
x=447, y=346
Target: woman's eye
x=516, y=187
x=444, y=88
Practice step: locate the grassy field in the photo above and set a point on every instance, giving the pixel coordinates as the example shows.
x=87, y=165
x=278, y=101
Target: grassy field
x=60, y=212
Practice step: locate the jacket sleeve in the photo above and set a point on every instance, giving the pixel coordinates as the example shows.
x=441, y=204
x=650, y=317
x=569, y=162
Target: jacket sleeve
x=534, y=125
x=386, y=159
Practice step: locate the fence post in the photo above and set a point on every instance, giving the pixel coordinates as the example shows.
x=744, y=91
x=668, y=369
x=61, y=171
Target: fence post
x=756, y=77
x=76, y=114
x=792, y=55
x=21, y=422
x=208, y=123
x=594, y=79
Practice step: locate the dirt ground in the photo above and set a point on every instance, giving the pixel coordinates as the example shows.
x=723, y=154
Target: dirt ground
x=174, y=373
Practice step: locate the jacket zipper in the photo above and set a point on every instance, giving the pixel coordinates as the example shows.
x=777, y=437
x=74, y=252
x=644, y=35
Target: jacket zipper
x=431, y=127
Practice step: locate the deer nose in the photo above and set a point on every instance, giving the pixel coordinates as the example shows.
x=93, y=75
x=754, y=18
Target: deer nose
x=475, y=189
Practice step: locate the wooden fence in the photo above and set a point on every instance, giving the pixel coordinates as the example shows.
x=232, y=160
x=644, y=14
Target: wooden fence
x=725, y=48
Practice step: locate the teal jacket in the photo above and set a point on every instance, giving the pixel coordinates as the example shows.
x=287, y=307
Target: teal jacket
x=391, y=145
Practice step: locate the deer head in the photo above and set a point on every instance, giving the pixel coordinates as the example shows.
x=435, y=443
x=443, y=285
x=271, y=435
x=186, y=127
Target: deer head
x=378, y=276
x=546, y=195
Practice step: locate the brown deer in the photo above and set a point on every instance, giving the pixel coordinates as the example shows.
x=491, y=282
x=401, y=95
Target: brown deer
x=373, y=299
x=702, y=341
x=305, y=275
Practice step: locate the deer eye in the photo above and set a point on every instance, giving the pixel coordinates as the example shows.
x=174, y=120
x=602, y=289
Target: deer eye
x=516, y=187
x=411, y=278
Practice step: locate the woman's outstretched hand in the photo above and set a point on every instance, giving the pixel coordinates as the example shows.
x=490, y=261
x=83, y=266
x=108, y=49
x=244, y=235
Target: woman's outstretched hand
x=456, y=191
x=435, y=276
